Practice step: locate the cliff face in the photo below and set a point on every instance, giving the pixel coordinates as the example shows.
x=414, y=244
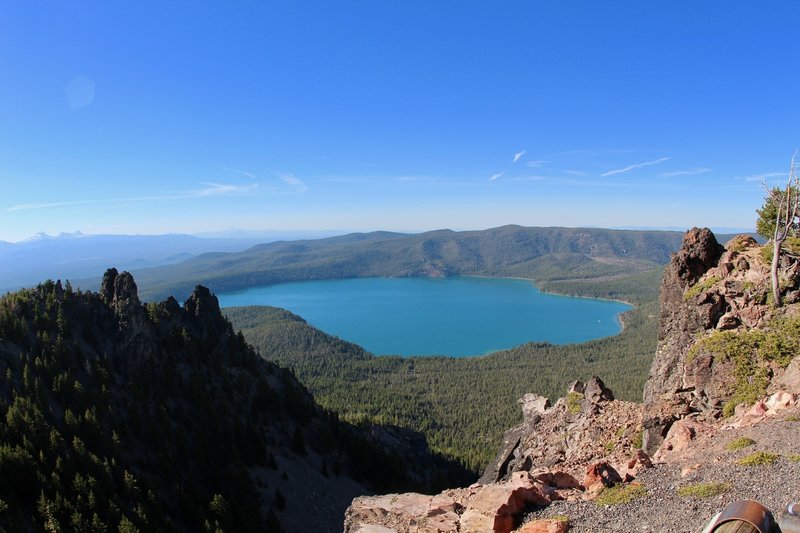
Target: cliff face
x=709, y=289
x=680, y=321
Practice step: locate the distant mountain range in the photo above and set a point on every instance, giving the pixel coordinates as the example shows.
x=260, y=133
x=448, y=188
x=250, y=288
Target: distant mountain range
x=76, y=255
x=542, y=254
x=173, y=264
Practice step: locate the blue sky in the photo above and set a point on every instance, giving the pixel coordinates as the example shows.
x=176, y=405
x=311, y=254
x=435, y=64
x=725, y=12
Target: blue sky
x=155, y=117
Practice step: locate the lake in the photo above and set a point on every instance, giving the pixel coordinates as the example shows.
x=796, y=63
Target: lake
x=461, y=316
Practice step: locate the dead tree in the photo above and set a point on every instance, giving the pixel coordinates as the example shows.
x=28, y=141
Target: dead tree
x=786, y=213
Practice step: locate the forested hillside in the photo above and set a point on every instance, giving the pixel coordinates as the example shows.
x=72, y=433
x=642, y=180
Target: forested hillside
x=116, y=416
x=542, y=254
x=462, y=405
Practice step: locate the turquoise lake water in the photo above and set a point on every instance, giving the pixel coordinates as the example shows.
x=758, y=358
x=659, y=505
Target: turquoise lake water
x=462, y=316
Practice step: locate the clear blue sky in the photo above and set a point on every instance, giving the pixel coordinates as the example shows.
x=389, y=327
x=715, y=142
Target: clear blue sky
x=154, y=117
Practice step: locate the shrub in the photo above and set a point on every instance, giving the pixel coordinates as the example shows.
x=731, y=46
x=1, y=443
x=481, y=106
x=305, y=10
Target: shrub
x=638, y=439
x=766, y=253
x=700, y=286
x=794, y=457
x=782, y=341
x=752, y=351
x=574, y=402
x=621, y=493
x=703, y=490
x=739, y=443
x=790, y=245
x=758, y=459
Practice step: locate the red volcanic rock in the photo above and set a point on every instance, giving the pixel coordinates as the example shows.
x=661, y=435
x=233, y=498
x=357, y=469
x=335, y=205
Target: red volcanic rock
x=598, y=476
x=728, y=321
x=496, y=507
x=557, y=480
x=780, y=400
x=493, y=508
x=544, y=526
x=639, y=461
x=680, y=435
x=753, y=316
x=635, y=464
x=770, y=406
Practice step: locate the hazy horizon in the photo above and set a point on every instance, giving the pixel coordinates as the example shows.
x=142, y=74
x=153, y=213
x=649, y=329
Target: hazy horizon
x=238, y=233
x=151, y=118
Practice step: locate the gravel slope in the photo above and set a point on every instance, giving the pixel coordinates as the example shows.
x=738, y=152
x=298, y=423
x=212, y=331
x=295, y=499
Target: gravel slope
x=662, y=510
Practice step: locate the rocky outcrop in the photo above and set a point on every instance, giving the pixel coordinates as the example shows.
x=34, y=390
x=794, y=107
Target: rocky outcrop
x=120, y=293
x=585, y=425
x=681, y=319
x=565, y=451
x=496, y=507
x=705, y=287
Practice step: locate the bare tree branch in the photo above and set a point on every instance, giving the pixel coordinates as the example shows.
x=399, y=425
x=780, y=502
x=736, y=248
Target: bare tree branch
x=784, y=222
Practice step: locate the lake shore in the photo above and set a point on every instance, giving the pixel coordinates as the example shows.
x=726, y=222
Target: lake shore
x=460, y=316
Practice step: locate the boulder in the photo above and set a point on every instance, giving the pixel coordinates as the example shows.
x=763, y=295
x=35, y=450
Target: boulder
x=729, y=320
x=598, y=476
x=769, y=406
x=533, y=407
x=407, y=512
x=500, y=467
x=596, y=391
x=497, y=507
x=789, y=380
x=375, y=529
x=576, y=386
x=680, y=438
x=779, y=401
x=557, y=479
x=544, y=526
x=638, y=462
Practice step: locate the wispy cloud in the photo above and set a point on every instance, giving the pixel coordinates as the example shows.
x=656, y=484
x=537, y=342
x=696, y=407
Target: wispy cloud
x=210, y=189
x=345, y=179
x=295, y=182
x=536, y=164
x=687, y=172
x=590, y=153
x=216, y=189
x=579, y=173
x=516, y=158
x=418, y=179
x=634, y=167
x=242, y=172
x=45, y=205
x=530, y=178
x=765, y=175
